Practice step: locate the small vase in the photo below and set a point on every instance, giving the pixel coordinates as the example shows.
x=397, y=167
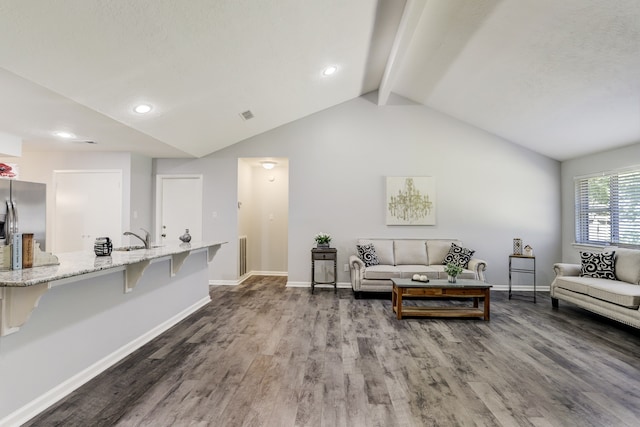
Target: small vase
x=186, y=237
x=451, y=279
x=323, y=245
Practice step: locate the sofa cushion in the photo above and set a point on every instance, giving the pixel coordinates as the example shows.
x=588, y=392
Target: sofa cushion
x=412, y=252
x=367, y=253
x=384, y=249
x=616, y=292
x=627, y=265
x=381, y=271
x=598, y=265
x=440, y=274
x=438, y=249
x=408, y=270
x=574, y=283
x=458, y=255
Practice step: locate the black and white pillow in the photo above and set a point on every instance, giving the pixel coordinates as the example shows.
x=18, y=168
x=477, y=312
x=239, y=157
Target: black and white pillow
x=367, y=253
x=458, y=255
x=598, y=265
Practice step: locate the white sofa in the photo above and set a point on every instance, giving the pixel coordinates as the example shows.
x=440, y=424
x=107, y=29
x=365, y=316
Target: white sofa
x=617, y=299
x=402, y=258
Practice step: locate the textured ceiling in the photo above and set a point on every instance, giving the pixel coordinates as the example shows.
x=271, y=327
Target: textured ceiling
x=558, y=77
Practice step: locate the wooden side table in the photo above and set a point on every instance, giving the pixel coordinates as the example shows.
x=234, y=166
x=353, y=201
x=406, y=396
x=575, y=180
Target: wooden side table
x=324, y=254
x=525, y=270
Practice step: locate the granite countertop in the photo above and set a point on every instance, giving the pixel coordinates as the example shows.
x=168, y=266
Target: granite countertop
x=84, y=262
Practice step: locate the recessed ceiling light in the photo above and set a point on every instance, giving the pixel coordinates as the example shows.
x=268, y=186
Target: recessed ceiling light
x=268, y=165
x=330, y=70
x=64, y=134
x=142, y=108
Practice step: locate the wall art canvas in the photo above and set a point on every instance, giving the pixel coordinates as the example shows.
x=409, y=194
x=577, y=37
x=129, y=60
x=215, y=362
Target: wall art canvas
x=411, y=200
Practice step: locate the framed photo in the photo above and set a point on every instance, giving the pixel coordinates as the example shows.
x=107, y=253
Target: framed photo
x=411, y=200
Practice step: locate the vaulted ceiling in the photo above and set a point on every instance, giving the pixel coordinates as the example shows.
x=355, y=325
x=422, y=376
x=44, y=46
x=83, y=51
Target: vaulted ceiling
x=558, y=77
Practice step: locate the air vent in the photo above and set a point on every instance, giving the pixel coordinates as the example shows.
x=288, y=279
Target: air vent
x=246, y=115
x=90, y=142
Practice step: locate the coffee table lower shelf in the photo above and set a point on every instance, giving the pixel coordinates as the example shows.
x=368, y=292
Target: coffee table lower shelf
x=439, y=312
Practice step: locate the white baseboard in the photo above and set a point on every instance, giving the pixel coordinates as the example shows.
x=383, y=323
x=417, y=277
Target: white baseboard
x=268, y=273
x=246, y=276
x=41, y=403
x=520, y=288
x=347, y=285
x=341, y=285
x=224, y=282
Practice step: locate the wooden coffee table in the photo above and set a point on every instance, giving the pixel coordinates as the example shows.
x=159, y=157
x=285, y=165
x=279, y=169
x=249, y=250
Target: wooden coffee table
x=463, y=288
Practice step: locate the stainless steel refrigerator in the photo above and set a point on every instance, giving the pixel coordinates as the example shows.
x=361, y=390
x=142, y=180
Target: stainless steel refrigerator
x=23, y=209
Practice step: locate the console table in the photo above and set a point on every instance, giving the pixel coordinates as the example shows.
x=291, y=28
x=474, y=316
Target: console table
x=324, y=254
x=531, y=269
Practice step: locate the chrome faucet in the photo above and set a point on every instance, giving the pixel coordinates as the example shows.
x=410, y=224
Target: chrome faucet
x=146, y=240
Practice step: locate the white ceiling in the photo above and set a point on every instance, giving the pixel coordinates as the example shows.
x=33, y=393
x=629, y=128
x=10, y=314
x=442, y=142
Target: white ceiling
x=559, y=77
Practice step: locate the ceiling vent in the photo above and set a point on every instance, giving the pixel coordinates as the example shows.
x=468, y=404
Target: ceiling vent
x=246, y=115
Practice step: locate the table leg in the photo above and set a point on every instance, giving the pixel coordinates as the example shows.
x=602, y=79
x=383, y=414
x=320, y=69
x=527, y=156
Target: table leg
x=475, y=302
x=335, y=276
x=487, y=303
x=394, y=298
x=313, y=273
x=399, y=304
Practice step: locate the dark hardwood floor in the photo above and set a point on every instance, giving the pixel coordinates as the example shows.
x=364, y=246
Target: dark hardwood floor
x=264, y=355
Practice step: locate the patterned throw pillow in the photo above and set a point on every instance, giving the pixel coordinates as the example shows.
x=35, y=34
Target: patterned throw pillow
x=598, y=265
x=367, y=253
x=458, y=255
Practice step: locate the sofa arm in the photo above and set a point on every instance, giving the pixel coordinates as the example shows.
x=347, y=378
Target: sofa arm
x=478, y=266
x=563, y=269
x=356, y=270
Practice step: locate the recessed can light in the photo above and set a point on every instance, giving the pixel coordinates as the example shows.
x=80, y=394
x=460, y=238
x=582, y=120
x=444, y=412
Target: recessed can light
x=64, y=134
x=330, y=70
x=142, y=108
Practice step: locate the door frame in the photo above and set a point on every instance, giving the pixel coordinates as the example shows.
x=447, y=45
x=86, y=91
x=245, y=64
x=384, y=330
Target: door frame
x=159, y=187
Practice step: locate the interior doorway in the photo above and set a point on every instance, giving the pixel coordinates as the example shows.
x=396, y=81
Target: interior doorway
x=178, y=207
x=263, y=216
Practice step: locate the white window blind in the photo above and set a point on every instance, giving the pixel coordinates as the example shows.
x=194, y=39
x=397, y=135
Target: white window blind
x=608, y=208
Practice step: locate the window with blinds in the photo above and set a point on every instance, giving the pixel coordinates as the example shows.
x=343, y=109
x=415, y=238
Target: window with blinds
x=608, y=208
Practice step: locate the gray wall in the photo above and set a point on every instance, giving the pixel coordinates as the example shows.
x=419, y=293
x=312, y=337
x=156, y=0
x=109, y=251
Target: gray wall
x=488, y=190
x=600, y=162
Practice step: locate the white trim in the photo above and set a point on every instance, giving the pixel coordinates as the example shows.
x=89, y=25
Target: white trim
x=217, y=282
x=268, y=273
x=520, y=288
x=63, y=389
x=631, y=168
x=341, y=285
x=224, y=282
x=500, y=288
x=589, y=247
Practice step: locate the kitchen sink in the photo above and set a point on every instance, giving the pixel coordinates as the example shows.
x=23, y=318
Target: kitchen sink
x=134, y=248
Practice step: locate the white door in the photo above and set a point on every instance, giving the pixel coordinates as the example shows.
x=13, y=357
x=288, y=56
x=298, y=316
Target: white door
x=179, y=207
x=88, y=204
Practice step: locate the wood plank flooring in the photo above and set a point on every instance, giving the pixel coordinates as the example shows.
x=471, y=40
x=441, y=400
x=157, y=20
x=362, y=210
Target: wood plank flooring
x=264, y=355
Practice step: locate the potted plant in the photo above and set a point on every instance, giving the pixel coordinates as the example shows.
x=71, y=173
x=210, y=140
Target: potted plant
x=323, y=240
x=452, y=271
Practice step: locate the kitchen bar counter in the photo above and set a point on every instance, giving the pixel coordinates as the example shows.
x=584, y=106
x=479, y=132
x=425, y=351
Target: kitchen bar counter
x=79, y=263
x=62, y=325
